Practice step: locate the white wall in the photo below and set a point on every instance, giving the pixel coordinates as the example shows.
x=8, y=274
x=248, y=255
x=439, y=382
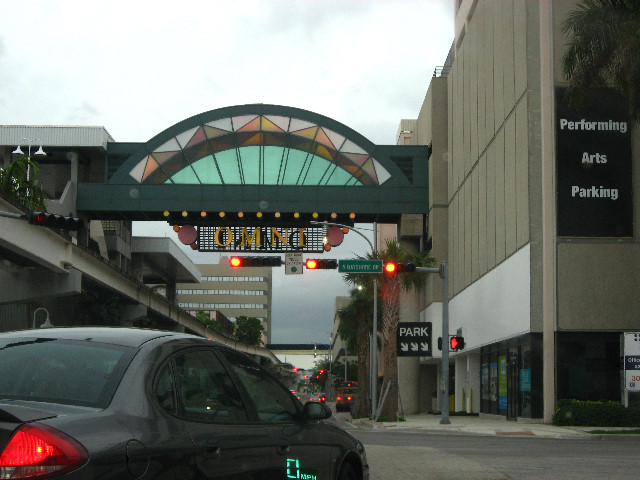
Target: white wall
x=495, y=307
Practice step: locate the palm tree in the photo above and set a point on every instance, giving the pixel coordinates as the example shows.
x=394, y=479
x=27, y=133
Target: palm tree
x=355, y=326
x=603, y=50
x=390, y=287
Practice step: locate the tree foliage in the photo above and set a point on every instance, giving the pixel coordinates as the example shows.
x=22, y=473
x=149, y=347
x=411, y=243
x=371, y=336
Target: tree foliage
x=248, y=330
x=207, y=321
x=14, y=183
x=389, y=288
x=355, y=326
x=603, y=50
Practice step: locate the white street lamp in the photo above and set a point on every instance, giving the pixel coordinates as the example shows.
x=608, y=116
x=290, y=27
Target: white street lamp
x=18, y=151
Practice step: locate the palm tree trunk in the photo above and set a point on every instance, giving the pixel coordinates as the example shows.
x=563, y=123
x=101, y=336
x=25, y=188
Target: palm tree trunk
x=390, y=317
x=362, y=406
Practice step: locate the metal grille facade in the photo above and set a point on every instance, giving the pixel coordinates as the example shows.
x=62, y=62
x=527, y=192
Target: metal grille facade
x=260, y=239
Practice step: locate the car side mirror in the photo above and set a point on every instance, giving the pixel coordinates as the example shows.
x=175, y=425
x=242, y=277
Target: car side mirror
x=316, y=411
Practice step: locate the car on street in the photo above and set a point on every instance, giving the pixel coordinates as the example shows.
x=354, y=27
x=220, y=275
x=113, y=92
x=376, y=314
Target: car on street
x=122, y=403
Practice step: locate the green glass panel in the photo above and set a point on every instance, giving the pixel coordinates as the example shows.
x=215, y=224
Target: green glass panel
x=340, y=177
x=207, y=171
x=295, y=162
x=272, y=160
x=185, y=176
x=250, y=157
x=228, y=164
x=316, y=170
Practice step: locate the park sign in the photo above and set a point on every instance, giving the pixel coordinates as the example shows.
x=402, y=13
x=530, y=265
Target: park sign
x=413, y=339
x=360, y=266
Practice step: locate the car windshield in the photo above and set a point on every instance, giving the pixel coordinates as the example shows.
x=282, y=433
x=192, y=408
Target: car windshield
x=82, y=373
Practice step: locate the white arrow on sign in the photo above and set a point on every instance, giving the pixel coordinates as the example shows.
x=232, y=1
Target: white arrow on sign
x=424, y=346
x=404, y=347
x=414, y=347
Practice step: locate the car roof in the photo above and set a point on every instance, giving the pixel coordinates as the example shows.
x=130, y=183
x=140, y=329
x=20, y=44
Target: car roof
x=129, y=337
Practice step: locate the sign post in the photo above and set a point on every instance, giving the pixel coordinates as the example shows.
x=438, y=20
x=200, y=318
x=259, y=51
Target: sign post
x=631, y=364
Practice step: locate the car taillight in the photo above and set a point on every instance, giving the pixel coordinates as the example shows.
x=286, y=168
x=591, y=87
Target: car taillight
x=38, y=451
x=338, y=398
x=349, y=399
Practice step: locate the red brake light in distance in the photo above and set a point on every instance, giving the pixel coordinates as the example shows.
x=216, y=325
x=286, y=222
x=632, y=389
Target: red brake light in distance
x=36, y=451
x=349, y=398
x=338, y=398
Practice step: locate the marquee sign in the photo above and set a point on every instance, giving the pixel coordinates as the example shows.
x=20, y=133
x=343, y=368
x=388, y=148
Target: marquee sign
x=593, y=164
x=272, y=239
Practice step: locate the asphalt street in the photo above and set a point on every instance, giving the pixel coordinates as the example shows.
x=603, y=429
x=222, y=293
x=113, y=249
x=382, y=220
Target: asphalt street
x=490, y=448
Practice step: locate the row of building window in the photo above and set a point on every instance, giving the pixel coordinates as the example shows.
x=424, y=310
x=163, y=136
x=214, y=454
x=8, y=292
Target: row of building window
x=233, y=279
x=212, y=306
x=220, y=292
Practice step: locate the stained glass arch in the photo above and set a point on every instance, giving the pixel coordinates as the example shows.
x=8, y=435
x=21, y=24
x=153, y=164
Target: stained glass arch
x=258, y=145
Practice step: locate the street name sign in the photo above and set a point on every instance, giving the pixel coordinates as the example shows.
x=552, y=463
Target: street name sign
x=632, y=361
x=360, y=266
x=413, y=339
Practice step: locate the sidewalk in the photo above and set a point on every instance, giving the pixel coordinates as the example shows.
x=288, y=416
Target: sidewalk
x=478, y=425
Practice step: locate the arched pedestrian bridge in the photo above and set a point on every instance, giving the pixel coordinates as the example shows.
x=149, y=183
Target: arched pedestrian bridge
x=259, y=164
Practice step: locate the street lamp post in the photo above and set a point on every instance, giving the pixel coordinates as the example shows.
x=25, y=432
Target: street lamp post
x=18, y=151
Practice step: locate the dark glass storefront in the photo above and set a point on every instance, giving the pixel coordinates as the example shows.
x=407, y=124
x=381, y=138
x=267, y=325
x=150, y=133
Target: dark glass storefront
x=504, y=390
x=588, y=365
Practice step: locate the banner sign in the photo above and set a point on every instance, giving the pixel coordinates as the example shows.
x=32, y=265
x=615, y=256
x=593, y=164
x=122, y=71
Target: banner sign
x=260, y=239
x=593, y=165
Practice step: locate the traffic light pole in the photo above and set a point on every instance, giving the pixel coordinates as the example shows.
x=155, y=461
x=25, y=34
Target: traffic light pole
x=444, y=274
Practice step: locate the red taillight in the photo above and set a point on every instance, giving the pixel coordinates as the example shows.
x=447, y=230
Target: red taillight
x=38, y=451
x=338, y=398
x=349, y=399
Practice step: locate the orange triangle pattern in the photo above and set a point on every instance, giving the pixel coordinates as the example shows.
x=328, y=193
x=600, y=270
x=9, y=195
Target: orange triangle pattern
x=252, y=126
x=151, y=167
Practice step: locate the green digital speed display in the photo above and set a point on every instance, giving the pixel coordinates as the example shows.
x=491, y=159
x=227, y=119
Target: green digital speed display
x=294, y=471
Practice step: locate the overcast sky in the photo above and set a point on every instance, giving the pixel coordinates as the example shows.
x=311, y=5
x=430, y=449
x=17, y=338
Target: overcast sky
x=137, y=68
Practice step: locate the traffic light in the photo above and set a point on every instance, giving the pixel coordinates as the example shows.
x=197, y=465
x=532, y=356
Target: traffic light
x=320, y=264
x=399, y=267
x=255, y=261
x=53, y=220
x=456, y=342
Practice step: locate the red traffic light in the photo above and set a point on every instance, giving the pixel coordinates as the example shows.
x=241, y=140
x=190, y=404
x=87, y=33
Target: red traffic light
x=399, y=267
x=52, y=220
x=241, y=261
x=456, y=342
x=321, y=264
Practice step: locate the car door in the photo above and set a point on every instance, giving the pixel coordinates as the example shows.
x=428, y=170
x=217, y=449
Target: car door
x=303, y=448
x=227, y=443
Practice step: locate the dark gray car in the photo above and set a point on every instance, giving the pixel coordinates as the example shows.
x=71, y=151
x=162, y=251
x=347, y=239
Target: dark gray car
x=117, y=403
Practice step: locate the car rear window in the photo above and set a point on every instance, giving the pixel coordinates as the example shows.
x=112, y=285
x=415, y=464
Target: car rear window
x=82, y=373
